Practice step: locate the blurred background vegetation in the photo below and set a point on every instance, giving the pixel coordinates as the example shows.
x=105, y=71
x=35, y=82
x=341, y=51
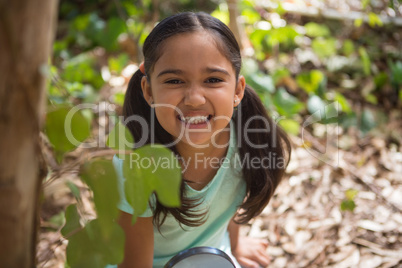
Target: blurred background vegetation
x=298, y=63
x=336, y=65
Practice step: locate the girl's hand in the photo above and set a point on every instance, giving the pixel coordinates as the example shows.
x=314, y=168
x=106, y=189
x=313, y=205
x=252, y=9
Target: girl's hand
x=251, y=252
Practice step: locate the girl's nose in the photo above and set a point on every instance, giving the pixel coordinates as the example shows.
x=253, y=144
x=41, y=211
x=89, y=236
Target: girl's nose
x=194, y=96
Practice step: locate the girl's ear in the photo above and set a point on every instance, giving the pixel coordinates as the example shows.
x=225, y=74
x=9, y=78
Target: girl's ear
x=239, y=92
x=146, y=90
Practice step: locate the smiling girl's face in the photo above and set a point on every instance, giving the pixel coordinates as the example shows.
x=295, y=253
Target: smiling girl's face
x=194, y=88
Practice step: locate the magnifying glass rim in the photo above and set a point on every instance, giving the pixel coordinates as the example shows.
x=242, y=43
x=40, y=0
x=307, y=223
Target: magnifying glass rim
x=197, y=250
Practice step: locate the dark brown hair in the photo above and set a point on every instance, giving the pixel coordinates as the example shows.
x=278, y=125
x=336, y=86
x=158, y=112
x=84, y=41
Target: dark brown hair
x=261, y=183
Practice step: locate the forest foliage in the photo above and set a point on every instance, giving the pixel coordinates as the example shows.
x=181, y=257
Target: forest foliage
x=342, y=74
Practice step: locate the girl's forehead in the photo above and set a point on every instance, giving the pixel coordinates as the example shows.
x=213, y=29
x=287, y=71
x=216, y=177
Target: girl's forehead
x=199, y=46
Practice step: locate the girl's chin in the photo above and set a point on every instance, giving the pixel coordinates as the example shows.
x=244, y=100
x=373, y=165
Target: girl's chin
x=197, y=141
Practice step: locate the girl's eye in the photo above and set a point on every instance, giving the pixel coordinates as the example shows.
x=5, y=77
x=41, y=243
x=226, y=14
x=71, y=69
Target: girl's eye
x=214, y=80
x=173, y=81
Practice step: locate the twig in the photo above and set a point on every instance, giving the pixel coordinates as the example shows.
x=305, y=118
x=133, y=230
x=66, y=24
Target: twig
x=377, y=249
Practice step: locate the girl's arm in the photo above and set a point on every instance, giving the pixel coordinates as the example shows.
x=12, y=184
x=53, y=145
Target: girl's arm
x=139, y=245
x=248, y=251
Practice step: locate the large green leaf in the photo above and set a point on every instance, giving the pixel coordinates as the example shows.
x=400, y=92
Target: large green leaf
x=89, y=248
x=120, y=139
x=72, y=221
x=287, y=104
x=66, y=128
x=101, y=177
x=152, y=168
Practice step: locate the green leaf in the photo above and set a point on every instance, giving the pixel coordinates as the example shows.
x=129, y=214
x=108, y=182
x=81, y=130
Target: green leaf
x=311, y=81
x=66, y=128
x=358, y=22
x=287, y=104
x=396, y=73
x=120, y=139
x=74, y=190
x=290, y=126
x=152, y=168
x=221, y=13
x=371, y=99
x=343, y=102
x=324, y=47
x=365, y=59
x=82, y=69
x=101, y=177
x=374, y=20
x=118, y=98
x=250, y=15
x=348, y=205
x=367, y=121
x=317, y=30
x=348, y=47
x=261, y=82
x=348, y=120
x=381, y=79
x=117, y=64
x=109, y=38
x=90, y=248
x=72, y=221
x=81, y=22
x=365, y=3
x=284, y=36
x=316, y=104
x=350, y=194
x=58, y=220
x=280, y=74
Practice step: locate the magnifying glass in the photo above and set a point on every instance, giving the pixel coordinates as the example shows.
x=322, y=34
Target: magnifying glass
x=200, y=257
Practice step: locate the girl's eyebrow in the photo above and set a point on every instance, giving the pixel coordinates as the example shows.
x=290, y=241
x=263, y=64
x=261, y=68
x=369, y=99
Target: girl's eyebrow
x=219, y=70
x=208, y=70
x=170, y=71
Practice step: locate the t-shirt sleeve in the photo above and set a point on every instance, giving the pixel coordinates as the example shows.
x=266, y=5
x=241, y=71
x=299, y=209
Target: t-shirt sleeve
x=123, y=205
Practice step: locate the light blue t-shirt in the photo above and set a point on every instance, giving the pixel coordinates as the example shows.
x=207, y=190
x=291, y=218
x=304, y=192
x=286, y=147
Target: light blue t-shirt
x=221, y=198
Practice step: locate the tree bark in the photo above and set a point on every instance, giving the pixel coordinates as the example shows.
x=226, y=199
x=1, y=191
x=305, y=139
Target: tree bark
x=26, y=35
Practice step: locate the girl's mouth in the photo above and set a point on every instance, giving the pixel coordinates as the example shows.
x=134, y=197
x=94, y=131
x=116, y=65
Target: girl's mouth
x=195, y=120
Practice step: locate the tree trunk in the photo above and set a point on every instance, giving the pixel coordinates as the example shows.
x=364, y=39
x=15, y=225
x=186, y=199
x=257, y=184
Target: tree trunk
x=236, y=27
x=26, y=34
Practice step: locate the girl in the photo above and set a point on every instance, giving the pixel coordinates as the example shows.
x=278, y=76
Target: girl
x=194, y=101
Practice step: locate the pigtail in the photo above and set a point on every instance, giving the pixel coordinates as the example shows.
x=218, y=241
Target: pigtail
x=135, y=104
x=261, y=182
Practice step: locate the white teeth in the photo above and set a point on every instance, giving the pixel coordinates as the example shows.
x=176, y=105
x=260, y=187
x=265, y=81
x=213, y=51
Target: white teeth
x=194, y=119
